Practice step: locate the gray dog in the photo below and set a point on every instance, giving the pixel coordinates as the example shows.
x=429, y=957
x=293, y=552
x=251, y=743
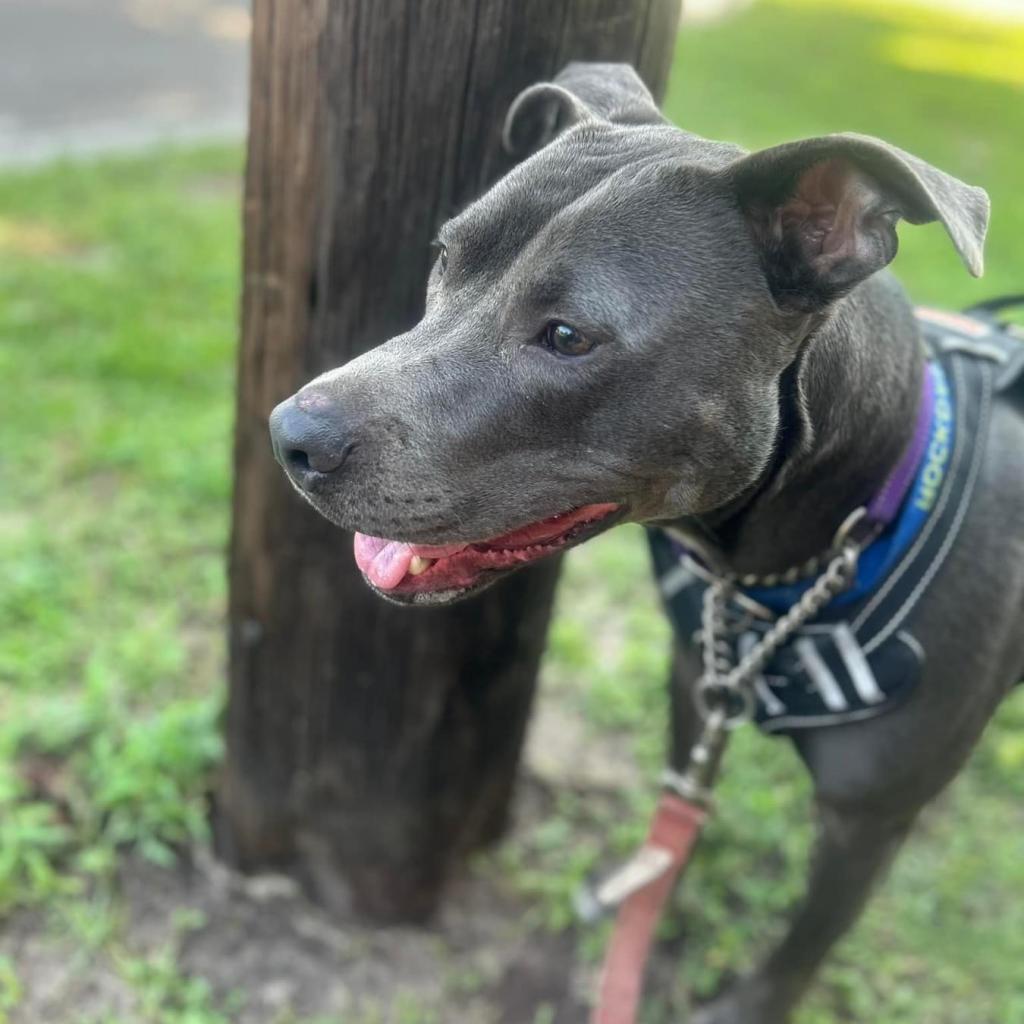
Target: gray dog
x=640, y=324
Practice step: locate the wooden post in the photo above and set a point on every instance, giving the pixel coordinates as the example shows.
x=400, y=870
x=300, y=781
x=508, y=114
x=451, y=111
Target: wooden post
x=369, y=746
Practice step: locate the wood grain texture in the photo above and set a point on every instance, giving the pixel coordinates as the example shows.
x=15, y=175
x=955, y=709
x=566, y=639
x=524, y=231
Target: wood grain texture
x=369, y=746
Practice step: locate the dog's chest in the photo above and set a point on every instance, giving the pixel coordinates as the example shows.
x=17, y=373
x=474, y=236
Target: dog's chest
x=859, y=656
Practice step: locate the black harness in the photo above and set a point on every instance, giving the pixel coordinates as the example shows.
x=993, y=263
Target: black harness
x=857, y=660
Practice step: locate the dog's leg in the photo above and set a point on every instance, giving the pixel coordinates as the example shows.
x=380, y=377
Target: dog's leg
x=852, y=852
x=686, y=721
x=871, y=781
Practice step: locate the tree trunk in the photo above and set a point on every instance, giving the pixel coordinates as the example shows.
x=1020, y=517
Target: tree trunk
x=367, y=744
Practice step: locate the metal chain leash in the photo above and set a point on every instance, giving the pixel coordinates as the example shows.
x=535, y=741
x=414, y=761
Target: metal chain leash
x=726, y=687
x=725, y=693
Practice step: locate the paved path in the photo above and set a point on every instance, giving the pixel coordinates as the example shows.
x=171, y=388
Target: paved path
x=78, y=76
x=84, y=75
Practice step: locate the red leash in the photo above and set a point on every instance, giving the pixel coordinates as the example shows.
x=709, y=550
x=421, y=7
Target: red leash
x=675, y=828
x=725, y=697
x=642, y=886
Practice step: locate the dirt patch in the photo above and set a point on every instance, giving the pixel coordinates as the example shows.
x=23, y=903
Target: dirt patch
x=41, y=241
x=271, y=957
x=270, y=954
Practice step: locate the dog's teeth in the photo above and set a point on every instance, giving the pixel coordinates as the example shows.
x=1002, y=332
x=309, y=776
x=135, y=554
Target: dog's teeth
x=419, y=564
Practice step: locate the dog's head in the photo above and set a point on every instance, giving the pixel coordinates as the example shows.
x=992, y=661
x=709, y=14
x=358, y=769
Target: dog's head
x=604, y=338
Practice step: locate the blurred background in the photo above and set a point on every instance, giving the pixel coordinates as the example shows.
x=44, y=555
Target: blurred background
x=121, y=125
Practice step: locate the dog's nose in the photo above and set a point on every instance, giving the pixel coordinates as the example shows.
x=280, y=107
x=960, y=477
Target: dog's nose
x=309, y=439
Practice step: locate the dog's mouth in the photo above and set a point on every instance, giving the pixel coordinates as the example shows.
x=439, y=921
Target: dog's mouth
x=435, y=573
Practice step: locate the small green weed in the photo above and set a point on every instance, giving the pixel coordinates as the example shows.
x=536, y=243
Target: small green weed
x=10, y=988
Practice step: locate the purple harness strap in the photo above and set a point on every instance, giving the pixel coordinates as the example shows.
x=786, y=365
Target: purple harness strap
x=886, y=503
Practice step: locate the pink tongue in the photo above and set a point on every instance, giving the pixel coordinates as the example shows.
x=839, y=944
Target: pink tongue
x=385, y=562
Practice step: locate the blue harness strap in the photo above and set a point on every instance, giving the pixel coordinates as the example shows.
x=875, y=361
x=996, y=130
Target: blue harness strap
x=859, y=656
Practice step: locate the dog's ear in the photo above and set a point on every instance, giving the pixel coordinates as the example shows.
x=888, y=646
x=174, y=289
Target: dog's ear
x=581, y=92
x=823, y=212
x=613, y=92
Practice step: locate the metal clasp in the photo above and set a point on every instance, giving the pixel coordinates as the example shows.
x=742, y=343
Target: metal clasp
x=855, y=531
x=697, y=780
x=651, y=860
x=735, y=704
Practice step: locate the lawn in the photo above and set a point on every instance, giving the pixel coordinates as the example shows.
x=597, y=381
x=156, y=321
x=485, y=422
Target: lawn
x=118, y=299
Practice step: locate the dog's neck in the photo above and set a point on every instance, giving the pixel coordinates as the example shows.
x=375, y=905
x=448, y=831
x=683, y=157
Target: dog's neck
x=858, y=382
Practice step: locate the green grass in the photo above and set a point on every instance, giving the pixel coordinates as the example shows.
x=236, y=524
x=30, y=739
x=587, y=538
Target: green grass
x=118, y=284
x=118, y=297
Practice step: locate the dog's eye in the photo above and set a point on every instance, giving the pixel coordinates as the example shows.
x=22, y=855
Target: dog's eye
x=442, y=256
x=566, y=340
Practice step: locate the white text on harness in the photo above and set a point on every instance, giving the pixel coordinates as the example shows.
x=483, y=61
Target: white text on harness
x=938, y=450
